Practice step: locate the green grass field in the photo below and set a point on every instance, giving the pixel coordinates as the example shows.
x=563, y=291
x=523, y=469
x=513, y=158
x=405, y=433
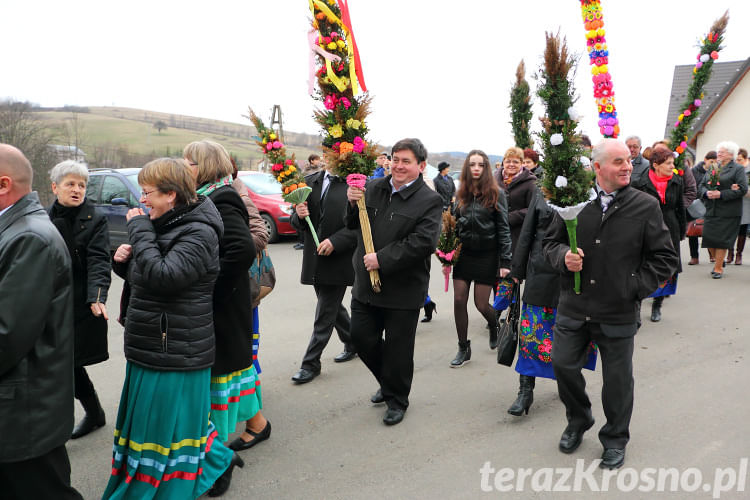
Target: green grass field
x=133, y=130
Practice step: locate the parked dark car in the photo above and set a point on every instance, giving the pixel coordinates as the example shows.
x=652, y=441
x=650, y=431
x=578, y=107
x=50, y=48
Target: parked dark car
x=265, y=191
x=114, y=191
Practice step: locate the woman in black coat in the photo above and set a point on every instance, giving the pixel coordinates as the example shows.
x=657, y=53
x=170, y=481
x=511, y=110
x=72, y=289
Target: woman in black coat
x=541, y=293
x=661, y=183
x=87, y=238
x=723, y=205
x=482, y=228
x=519, y=185
x=235, y=386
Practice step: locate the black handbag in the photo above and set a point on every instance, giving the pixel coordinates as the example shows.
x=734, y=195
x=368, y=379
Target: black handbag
x=508, y=334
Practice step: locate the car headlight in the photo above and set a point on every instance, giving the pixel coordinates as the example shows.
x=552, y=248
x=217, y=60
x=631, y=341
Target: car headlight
x=287, y=209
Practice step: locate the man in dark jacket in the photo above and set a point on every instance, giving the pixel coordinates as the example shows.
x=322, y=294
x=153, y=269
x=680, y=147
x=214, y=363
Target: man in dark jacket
x=640, y=164
x=327, y=267
x=36, y=341
x=444, y=185
x=405, y=220
x=624, y=253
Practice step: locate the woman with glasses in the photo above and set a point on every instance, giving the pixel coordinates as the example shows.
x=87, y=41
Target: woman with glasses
x=235, y=386
x=165, y=446
x=723, y=200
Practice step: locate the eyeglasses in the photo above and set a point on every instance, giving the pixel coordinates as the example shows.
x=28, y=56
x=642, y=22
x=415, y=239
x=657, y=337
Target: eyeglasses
x=144, y=194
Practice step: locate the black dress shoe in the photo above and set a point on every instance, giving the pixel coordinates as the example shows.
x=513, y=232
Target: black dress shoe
x=572, y=436
x=240, y=444
x=430, y=308
x=393, y=416
x=304, y=375
x=222, y=484
x=377, y=398
x=88, y=423
x=345, y=356
x=612, y=458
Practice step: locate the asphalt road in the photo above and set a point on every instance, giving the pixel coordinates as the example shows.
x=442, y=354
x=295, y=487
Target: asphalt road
x=328, y=441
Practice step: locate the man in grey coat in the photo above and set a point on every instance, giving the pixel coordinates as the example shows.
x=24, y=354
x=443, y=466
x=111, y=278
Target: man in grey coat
x=36, y=341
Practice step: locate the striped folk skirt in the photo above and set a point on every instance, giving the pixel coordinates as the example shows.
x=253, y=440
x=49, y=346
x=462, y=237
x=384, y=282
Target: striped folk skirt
x=236, y=396
x=165, y=447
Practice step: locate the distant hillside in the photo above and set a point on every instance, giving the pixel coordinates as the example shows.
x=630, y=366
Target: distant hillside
x=126, y=137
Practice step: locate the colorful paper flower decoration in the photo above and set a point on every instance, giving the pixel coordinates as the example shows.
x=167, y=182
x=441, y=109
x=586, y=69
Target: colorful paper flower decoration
x=593, y=21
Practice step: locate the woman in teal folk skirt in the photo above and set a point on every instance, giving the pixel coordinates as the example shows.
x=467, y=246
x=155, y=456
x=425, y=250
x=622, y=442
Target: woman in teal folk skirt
x=235, y=386
x=540, y=296
x=165, y=447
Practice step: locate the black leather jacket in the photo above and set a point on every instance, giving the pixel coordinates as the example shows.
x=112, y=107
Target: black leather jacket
x=480, y=228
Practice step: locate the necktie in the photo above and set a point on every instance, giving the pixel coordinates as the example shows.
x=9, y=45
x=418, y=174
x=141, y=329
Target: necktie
x=605, y=200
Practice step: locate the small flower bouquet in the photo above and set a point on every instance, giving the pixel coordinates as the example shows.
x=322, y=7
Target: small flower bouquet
x=449, y=246
x=342, y=118
x=565, y=184
x=713, y=176
x=294, y=189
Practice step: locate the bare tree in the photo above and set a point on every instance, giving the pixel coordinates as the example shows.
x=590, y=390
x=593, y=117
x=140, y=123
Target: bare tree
x=19, y=127
x=75, y=136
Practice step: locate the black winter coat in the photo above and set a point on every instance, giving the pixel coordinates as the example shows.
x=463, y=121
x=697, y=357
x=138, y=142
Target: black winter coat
x=87, y=239
x=172, y=270
x=480, y=229
x=672, y=210
x=446, y=188
x=627, y=254
x=36, y=334
x=542, y=287
x=328, y=221
x=405, y=230
x=233, y=314
x=519, y=192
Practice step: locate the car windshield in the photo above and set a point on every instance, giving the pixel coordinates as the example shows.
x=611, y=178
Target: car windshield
x=261, y=183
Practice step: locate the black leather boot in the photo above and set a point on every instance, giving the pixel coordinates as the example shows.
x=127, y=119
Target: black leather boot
x=92, y=420
x=463, y=355
x=525, y=396
x=494, y=328
x=656, y=309
x=429, y=309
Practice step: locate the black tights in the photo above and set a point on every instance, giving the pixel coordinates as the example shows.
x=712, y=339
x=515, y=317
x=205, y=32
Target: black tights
x=460, y=301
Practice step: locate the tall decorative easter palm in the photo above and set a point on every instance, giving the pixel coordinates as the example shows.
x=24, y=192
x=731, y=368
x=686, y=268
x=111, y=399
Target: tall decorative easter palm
x=343, y=116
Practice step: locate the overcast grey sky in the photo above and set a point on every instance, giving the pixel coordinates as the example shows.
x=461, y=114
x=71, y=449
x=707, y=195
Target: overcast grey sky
x=439, y=70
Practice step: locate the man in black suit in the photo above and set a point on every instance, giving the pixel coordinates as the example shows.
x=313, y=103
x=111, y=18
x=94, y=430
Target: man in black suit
x=327, y=267
x=405, y=220
x=625, y=251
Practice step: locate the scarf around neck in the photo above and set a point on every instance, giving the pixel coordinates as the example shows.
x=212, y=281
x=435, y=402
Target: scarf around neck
x=660, y=183
x=209, y=188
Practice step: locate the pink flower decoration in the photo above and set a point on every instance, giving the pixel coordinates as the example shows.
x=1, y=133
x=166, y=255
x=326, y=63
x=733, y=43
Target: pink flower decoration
x=714, y=55
x=697, y=103
x=288, y=161
x=269, y=146
x=699, y=65
x=277, y=145
x=612, y=121
x=358, y=145
x=609, y=130
x=330, y=102
x=276, y=167
x=683, y=144
x=677, y=123
x=687, y=112
x=345, y=102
